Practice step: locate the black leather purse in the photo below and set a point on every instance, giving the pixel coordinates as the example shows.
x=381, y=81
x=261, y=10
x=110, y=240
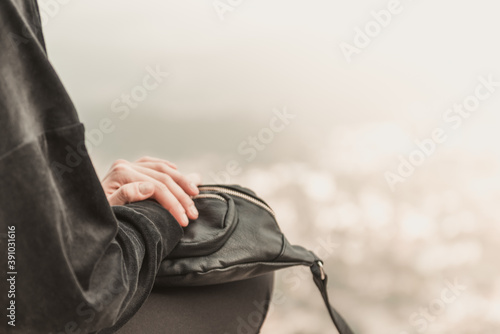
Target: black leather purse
x=237, y=237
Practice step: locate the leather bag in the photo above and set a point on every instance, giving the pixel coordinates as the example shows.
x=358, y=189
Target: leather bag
x=236, y=237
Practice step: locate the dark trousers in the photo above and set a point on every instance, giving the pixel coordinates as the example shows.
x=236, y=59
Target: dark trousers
x=231, y=308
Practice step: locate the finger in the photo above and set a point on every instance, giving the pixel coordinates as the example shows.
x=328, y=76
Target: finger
x=175, y=189
x=151, y=159
x=132, y=192
x=183, y=181
x=195, y=178
x=118, y=168
x=161, y=194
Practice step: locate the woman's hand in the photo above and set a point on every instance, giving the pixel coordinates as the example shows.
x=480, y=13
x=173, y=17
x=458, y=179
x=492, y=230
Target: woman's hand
x=159, y=179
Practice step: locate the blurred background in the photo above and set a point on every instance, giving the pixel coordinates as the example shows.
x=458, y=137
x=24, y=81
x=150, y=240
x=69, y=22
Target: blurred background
x=371, y=127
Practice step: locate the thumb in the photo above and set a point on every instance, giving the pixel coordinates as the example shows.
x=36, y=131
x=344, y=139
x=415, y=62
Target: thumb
x=131, y=192
x=146, y=188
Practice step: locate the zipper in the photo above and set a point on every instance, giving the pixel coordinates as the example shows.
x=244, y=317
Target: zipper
x=215, y=196
x=237, y=194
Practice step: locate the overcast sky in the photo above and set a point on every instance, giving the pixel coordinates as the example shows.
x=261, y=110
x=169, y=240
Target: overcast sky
x=270, y=54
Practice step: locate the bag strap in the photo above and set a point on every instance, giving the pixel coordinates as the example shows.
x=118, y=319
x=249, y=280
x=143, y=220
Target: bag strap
x=320, y=279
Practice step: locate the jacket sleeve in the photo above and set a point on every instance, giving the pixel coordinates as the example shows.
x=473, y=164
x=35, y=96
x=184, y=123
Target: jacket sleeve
x=69, y=263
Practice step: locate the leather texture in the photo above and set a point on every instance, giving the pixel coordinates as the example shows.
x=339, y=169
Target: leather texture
x=230, y=241
x=237, y=237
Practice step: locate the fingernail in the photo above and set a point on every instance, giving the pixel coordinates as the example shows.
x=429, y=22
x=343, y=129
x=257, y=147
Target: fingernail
x=193, y=211
x=185, y=220
x=146, y=188
x=193, y=187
